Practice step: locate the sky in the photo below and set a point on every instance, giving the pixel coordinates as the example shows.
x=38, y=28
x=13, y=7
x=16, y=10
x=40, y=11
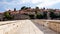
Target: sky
x=11, y=4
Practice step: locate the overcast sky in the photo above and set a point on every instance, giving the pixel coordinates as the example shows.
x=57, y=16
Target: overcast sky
x=11, y=4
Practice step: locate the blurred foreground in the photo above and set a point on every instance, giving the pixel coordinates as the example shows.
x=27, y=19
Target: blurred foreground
x=25, y=27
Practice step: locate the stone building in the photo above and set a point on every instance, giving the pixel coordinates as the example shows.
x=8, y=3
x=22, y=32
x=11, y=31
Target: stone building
x=1, y=16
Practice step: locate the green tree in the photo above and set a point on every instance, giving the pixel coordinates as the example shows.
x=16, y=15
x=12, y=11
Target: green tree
x=7, y=15
x=39, y=16
x=31, y=16
x=37, y=8
x=24, y=8
x=45, y=15
x=52, y=15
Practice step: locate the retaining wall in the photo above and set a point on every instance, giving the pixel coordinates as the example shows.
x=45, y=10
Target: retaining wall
x=52, y=24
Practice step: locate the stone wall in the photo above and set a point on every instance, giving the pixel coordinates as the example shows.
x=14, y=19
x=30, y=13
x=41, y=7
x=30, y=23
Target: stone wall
x=52, y=24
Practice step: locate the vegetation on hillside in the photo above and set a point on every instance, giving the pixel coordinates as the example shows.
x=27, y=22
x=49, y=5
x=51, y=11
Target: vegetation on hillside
x=38, y=15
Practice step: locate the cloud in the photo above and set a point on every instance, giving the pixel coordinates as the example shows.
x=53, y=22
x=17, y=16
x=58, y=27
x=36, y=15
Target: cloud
x=39, y=3
x=10, y=4
x=42, y=3
x=48, y=3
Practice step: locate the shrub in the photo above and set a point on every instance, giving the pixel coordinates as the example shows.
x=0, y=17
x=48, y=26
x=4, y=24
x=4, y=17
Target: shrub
x=45, y=15
x=31, y=16
x=7, y=15
x=52, y=15
x=39, y=16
